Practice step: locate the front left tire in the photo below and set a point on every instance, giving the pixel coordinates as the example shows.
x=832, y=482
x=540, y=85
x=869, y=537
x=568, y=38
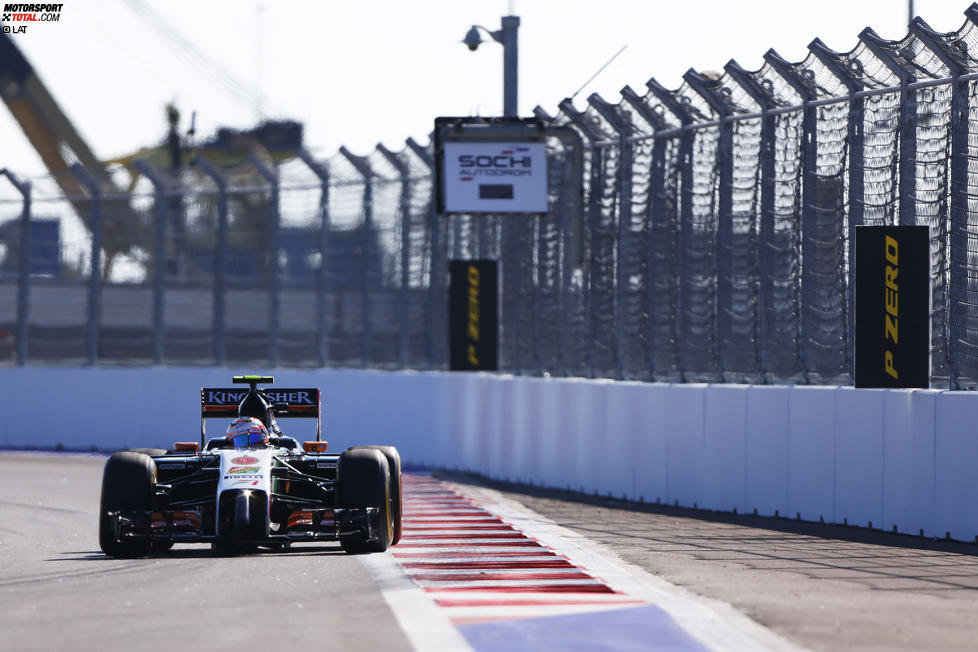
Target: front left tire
x=128, y=485
x=364, y=479
x=394, y=465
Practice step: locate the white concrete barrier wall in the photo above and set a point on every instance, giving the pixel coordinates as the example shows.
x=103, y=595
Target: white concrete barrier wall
x=891, y=458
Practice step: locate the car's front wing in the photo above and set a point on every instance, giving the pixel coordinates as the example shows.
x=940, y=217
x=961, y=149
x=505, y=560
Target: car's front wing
x=185, y=526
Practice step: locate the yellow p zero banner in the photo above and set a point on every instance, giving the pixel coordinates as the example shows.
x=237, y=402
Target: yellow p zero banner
x=892, y=306
x=473, y=316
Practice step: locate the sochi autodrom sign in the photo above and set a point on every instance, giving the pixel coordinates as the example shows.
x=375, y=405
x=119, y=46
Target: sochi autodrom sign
x=494, y=177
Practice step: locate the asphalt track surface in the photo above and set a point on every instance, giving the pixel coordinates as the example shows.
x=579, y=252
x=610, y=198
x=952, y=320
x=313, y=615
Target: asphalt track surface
x=59, y=592
x=819, y=587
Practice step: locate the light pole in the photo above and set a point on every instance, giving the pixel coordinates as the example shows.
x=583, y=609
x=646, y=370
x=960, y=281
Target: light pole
x=507, y=36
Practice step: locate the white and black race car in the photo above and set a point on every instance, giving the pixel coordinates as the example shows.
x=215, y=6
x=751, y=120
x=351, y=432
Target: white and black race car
x=239, y=497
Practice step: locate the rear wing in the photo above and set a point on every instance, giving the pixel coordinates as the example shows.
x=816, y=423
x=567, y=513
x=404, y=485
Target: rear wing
x=222, y=403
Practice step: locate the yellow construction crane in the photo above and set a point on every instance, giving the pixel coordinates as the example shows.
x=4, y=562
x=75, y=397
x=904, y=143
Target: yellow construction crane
x=60, y=146
x=44, y=123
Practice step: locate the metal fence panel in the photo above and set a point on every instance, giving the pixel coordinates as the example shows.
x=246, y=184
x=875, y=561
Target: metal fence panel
x=716, y=242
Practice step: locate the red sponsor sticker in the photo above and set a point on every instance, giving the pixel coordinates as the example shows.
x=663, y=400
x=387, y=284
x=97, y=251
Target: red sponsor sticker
x=244, y=459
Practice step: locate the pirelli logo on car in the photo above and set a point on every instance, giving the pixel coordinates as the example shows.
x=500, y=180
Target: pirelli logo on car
x=893, y=306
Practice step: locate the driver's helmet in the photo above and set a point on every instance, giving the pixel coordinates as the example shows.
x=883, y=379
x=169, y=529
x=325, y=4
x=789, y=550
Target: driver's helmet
x=246, y=432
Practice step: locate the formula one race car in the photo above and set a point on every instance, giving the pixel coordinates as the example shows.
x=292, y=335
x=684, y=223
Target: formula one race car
x=253, y=486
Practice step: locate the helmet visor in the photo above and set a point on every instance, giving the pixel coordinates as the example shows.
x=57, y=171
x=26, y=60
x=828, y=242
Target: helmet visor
x=248, y=439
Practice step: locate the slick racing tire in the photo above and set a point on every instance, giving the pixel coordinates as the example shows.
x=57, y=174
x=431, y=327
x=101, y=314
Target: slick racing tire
x=128, y=485
x=364, y=480
x=394, y=464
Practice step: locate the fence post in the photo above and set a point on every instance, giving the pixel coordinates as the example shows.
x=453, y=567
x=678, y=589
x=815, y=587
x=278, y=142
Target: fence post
x=908, y=127
x=765, y=100
x=569, y=231
x=541, y=269
x=404, y=174
x=274, y=268
x=957, y=241
x=572, y=243
x=220, y=265
x=788, y=73
x=436, y=264
x=593, y=213
x=537, y=295
x=907, y=204
x=571, y=222
x=322, y=274
x=23, y=267
x=159, y=256
x=723, y=288
x=908, y=186
x=856, y=204
x=654, y=206
x=485, y=233
x=625, y=167
x=94, y=277
x=686, y=142
x=362, y=166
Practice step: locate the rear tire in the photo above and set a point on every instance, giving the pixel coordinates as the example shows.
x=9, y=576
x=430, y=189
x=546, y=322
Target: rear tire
x=128, y=484
x=394, y=464
x=364, y=479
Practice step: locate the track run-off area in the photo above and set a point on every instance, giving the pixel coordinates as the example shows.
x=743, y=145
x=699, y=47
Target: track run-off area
x=478, y=568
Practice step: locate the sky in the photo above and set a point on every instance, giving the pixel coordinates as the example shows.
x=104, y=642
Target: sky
x=359, y=72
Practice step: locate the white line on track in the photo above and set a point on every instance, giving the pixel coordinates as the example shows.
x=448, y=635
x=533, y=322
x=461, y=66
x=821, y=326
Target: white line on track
x=426, y=625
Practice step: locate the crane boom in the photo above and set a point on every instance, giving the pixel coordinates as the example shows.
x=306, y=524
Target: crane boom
x=46, y=126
